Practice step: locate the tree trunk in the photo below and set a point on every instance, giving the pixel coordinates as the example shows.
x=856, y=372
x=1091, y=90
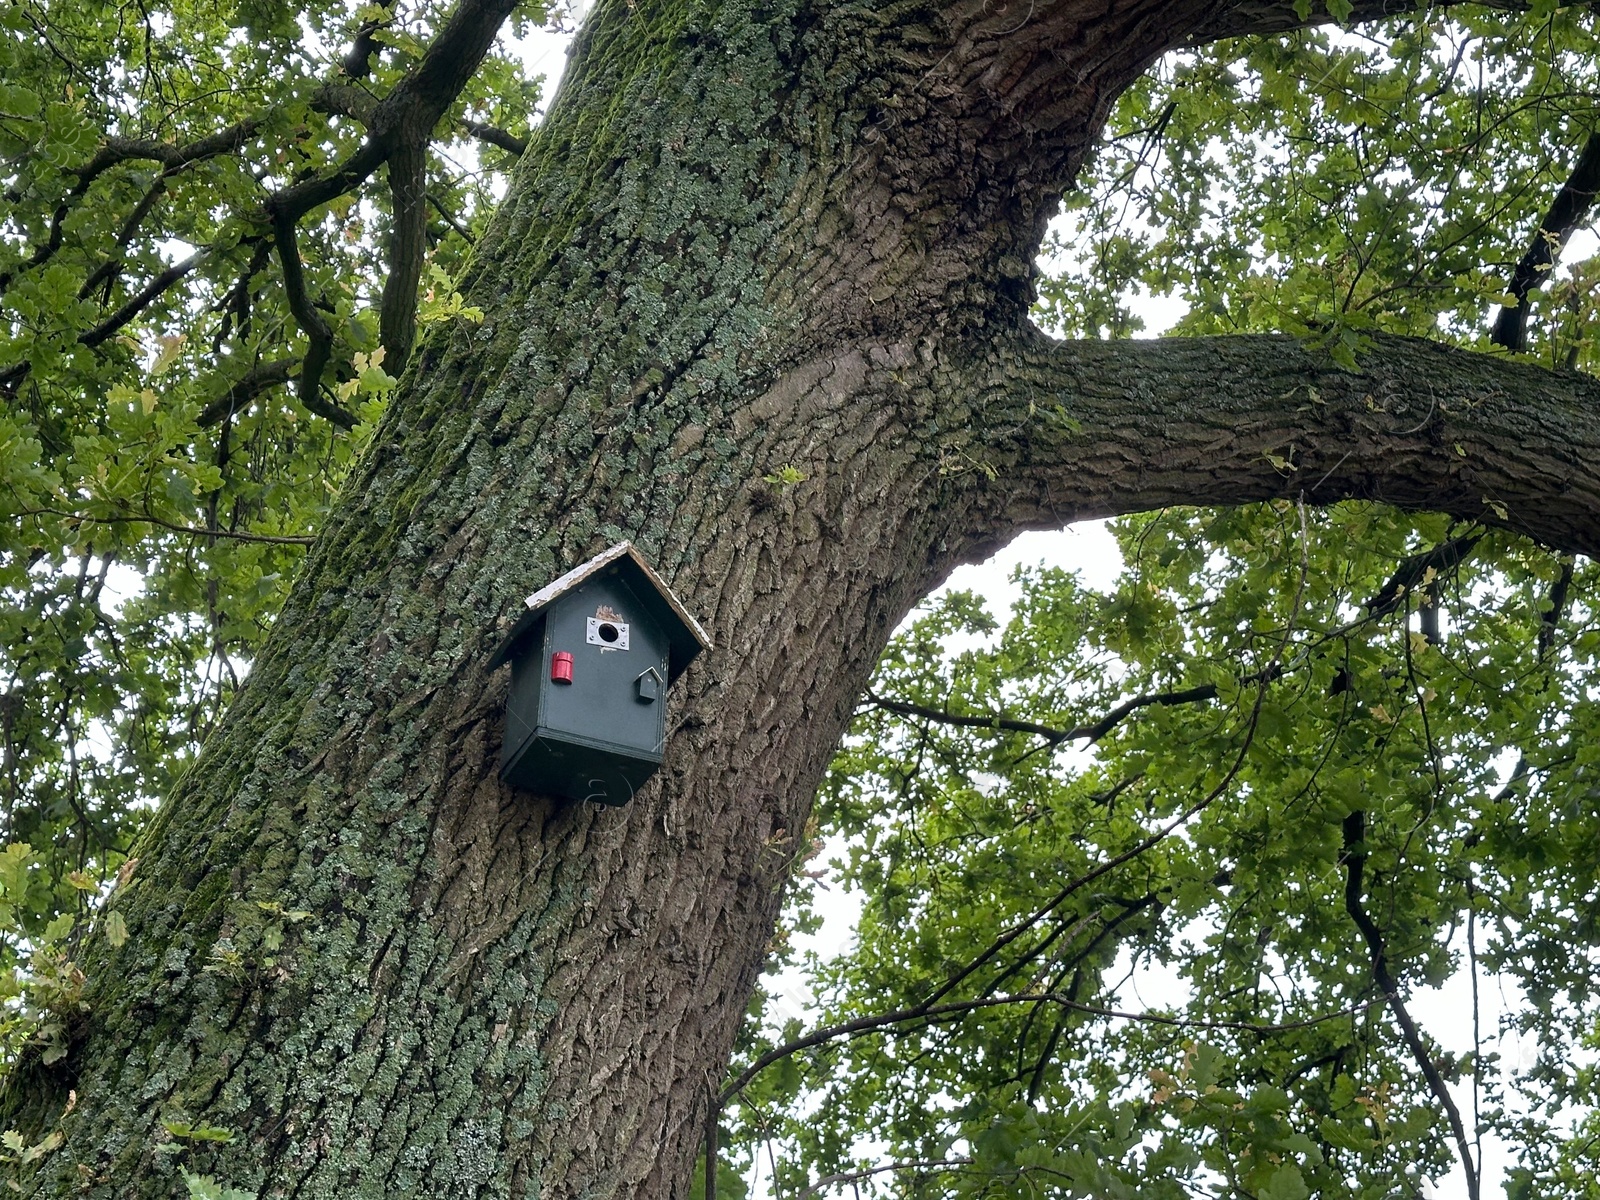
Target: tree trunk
x=751, y=245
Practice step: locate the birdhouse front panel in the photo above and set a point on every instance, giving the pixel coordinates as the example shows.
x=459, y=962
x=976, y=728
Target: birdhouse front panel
x=614, y=643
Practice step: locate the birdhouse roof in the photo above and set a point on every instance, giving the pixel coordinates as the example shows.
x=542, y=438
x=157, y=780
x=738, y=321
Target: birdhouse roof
x=684, y=635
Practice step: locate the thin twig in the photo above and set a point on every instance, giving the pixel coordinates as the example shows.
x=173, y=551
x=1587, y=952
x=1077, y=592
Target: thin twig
x=869, y=1172
x=1355, y=861
x=147, y=519
x=938, y=1012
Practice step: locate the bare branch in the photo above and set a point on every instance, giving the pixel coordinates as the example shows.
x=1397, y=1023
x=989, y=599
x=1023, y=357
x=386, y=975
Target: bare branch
x=408, y=249
x=509, y=142
x=147, y=519
x=1355, y=860
x=452, y=59
x=944, y=717
x=246, y=388
x=235, y=302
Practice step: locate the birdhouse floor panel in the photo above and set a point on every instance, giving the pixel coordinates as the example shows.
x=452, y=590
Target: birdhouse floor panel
x=559, y=764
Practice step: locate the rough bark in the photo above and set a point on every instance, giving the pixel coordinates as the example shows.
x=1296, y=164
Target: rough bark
x=1096, y=429
x=747, y=238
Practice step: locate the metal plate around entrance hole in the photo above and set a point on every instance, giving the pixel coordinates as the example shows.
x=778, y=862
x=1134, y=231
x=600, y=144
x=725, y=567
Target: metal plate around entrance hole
x=608, y=635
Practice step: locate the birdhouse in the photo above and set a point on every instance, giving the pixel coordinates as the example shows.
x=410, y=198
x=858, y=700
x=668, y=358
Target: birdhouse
x=592, y=657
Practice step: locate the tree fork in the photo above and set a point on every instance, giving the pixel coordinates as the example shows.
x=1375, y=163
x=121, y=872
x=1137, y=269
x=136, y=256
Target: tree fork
x=745, y=239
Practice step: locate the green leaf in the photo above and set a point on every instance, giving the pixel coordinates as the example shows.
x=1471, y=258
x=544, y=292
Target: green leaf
x=196, y=1133
x=204, y=1187
x=1286, y=1183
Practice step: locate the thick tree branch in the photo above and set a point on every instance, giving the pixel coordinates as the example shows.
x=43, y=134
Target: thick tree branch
x=1244, y=419
x=117, y=150
x=327, y=410
x=401, y=125
x=347, y=100
x=297, y=200
x=408, y=249
x=1566, y=211
x=319, y=337
x=405, y=118
x=452, y=60
x=1277, y=16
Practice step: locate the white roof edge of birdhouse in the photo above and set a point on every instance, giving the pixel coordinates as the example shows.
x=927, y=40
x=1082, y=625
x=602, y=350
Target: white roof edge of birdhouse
x=563, y=585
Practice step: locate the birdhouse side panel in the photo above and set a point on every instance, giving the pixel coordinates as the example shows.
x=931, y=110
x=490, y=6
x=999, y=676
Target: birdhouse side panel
x=525, y=697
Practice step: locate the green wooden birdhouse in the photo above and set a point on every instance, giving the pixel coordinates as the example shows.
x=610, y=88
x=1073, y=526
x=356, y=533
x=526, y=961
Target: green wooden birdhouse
x=592, y=657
